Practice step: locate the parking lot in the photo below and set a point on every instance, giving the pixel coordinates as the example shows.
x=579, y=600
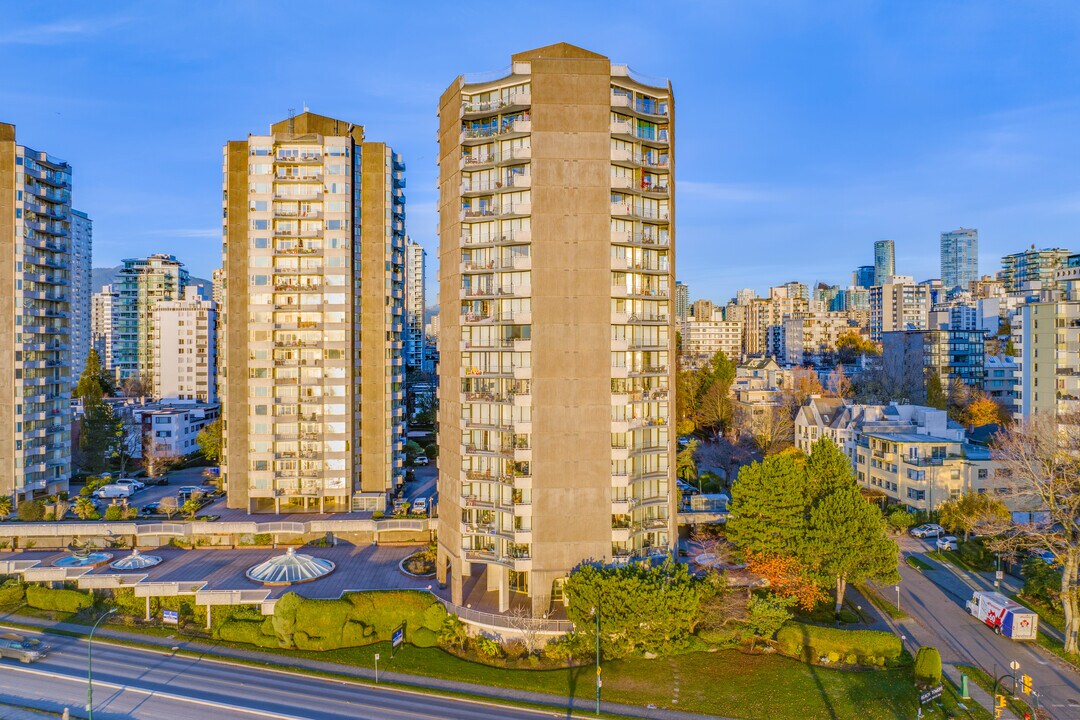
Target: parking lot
x=154, y=493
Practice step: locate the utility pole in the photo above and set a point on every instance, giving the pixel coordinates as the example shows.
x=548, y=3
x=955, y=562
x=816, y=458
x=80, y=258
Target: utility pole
x=596, y=613
x=89, y=666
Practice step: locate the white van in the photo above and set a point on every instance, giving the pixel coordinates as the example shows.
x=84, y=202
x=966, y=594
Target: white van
x=114, y=491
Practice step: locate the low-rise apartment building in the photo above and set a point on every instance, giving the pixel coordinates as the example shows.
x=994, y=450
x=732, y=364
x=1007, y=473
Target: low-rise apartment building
x=172, y=429
x=701, y=339
x=809, y=337
x=911, y=454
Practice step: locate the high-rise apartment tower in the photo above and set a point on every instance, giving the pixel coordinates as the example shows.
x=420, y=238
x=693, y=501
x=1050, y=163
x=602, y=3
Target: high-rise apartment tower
x=557, y=327
x=415, y=302
x=35, y=320
x=82, y=243
x=312, y=370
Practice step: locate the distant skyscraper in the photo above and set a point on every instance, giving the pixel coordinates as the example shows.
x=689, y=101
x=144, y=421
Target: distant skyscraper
x=884, y=261
x=218, y=295
x=959, y=258
x=682, y=302
x=35, y=320
x=104, y=325
x=744, y=296
x=82, y=234
x=863, y=277
x=142, y=284
x=415, y=304
x=185, y=348
x=313, y=363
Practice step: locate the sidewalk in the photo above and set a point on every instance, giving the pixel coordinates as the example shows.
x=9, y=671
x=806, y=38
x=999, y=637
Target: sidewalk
x=584, y=706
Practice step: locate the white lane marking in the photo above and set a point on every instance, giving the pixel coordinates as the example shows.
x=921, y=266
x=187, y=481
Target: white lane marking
x=200, y=656
x=159, y=694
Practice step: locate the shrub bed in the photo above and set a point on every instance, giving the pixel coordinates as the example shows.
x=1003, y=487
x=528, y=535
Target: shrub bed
x=12, y=594
x=355, y=620
x=928, y=666
x=812, y=643
x=70, y=601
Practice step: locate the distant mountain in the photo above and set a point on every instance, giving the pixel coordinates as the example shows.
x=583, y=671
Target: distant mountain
x=100, y=277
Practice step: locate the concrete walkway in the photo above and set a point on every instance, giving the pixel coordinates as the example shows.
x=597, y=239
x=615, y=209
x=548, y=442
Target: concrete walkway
x=571, y=706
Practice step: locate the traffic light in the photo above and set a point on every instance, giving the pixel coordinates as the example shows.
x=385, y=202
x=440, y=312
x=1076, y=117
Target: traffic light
x=1000, y=701
x=1025, y=684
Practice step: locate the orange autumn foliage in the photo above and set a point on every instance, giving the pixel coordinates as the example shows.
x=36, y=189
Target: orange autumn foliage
x=787, y=578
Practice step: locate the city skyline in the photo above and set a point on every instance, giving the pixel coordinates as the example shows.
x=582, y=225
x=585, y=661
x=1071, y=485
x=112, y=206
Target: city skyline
x=809, y=170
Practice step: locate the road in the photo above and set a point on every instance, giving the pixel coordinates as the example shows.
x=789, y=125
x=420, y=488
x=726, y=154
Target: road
x=424, y=484
x=137, y=684
x=938, y=618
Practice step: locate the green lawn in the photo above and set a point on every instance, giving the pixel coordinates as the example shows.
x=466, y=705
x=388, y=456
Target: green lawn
x=878, y=600
x=726, y=683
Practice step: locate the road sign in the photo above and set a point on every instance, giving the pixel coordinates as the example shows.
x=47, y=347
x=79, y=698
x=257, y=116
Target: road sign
x=398, y=637
x=170, y=617
x=1014, y=665
x=931, y=694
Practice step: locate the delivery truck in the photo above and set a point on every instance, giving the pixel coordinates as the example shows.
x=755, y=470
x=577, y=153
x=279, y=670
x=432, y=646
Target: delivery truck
x=1005, y=616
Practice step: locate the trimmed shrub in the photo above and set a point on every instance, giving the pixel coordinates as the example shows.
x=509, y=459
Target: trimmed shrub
x=31, y=511
x=848, y=616
x=810, y=642
x=974, y=553
x=424, y=637
x=245, y=631
x=12, y=594
x=70, y=601
x=928, y=666
x=114, y=513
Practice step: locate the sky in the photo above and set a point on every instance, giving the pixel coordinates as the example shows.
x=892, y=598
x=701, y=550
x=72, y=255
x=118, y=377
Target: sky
x=805, y=131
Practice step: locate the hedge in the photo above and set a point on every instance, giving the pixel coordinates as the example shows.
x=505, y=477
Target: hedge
x=355, y=620
x=12, y=594
x=44, y=598
x=928, y=666
x=812, y=642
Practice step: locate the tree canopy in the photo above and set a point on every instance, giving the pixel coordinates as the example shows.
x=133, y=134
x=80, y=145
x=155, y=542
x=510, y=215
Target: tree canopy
x=640, y=606
x=210, y=442
x=813, y=514
x=967, y=512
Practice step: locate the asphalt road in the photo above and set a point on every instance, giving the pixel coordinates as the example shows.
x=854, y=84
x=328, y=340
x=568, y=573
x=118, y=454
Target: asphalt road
x=140, y=684
x=938, y=618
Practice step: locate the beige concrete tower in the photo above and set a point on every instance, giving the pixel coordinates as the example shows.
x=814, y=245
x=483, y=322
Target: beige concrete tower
x=313, y=298
x=557, y=323
x=35, y=320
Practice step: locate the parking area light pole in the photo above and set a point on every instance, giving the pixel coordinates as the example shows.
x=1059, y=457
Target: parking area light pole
x=596, y=613
x=89, y=666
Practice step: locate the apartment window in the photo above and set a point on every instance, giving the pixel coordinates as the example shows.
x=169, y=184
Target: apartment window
x=983, y=473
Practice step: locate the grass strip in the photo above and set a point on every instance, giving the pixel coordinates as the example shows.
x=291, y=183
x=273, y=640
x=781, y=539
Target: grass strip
x=981, y=678
x=878, y=600
x=918, y=563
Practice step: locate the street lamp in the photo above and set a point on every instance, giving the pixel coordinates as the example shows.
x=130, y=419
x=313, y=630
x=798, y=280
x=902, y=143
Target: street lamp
x=89, y=666
x=596, y=614
x=897, y=596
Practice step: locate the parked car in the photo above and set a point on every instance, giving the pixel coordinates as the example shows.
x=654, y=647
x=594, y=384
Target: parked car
x=420, y=460
x=23, y=649
x=1045, y=555
x=185, y=493
x=114, y=491
x=399, y=506
x=135, y=484
x=683, y=442
x=153, y=508
x=929, y=530
x=949, y=542
x=419, y=506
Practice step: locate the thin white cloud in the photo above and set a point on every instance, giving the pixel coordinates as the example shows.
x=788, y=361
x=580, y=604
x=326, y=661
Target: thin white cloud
x=56, y=33
x=190, y=233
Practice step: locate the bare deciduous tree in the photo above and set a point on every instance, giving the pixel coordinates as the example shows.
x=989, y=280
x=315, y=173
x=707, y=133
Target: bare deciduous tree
x=521, y=619
x=771, y=427
x=1040, y=460
x=169, y=506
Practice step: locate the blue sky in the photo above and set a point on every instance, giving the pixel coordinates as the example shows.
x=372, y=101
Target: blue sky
x=805, y=130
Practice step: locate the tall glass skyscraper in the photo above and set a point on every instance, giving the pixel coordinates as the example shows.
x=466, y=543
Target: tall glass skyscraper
x=959, y=258
x=884, y=261
x=863, y=276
